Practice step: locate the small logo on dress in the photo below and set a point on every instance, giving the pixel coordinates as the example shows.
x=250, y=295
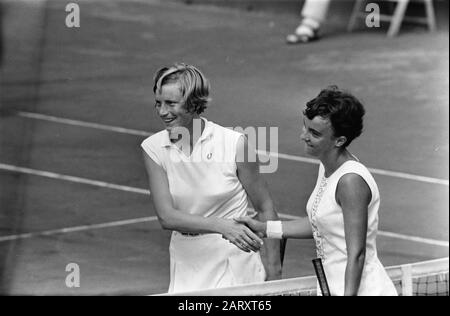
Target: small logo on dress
x=209, y=156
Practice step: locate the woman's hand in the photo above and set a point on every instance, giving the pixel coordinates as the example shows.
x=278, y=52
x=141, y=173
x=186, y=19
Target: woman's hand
x=240, y=235
x=256, y=226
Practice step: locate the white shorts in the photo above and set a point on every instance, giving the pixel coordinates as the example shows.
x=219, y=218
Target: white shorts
x=208, y=261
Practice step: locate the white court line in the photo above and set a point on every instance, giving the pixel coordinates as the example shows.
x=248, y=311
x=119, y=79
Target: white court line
x=122, y=130
x=78, y=228
x=58, y=176
x=60, y=120
x=428, y=241
x=388, y=173
x=102, y=184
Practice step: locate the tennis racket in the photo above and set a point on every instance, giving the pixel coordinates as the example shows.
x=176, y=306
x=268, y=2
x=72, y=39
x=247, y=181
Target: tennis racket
x=321, y=277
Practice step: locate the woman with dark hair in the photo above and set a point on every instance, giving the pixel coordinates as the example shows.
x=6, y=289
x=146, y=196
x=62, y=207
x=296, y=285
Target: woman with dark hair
x=343, y=208
x=198, y=186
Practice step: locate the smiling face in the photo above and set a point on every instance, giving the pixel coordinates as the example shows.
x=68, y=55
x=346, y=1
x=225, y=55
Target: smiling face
x=318, y=135
x=170, y=106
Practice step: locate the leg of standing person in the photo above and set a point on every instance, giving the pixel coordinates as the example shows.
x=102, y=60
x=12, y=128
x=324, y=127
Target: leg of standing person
x=312, y=16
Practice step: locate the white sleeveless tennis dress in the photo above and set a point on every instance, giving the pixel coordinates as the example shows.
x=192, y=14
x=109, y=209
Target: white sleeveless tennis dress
x=205, y=184
x=327, y=223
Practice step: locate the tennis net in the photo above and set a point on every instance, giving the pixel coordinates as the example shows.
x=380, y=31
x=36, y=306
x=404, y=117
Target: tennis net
x=427, y=278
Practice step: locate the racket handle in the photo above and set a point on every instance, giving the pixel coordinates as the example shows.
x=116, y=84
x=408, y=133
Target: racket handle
x=321, y=277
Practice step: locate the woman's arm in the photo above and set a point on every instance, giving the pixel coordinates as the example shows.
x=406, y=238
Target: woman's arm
x=257, y=190
x=297, y=229
x=354, y=195
x=174, y=219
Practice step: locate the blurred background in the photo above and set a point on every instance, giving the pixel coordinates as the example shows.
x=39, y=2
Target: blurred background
x=76, y=102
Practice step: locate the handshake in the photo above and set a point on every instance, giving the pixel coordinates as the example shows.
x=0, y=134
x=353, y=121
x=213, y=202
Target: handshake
x=247, y=233
x=249, y=238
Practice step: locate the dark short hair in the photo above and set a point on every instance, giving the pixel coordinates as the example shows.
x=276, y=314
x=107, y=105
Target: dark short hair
x=194, y=85
x=344, y=111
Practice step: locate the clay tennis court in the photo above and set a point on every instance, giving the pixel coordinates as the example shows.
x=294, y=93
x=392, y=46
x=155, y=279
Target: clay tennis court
x=77, y=102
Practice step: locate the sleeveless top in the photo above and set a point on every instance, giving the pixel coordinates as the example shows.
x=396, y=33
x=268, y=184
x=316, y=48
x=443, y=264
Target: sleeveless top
x=206, y=182
x=327, y=223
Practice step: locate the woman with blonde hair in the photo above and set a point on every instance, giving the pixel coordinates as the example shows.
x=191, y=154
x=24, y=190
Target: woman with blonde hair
x=198, y=186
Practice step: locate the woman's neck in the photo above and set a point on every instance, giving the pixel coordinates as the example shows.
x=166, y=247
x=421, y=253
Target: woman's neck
x=333, y=160
x=190, y=133
x=195, y=129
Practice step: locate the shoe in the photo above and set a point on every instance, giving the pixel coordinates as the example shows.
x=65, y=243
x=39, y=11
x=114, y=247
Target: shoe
x=303, y=34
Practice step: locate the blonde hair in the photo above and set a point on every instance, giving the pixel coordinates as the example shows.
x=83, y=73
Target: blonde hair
x=193, y=85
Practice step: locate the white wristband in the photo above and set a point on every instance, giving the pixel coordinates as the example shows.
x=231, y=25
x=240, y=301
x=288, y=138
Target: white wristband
x=274, y=230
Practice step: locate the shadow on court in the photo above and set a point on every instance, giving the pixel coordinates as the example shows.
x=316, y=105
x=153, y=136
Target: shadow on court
x=16, y=137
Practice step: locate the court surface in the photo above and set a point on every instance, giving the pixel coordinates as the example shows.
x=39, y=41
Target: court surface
x=77, y=102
